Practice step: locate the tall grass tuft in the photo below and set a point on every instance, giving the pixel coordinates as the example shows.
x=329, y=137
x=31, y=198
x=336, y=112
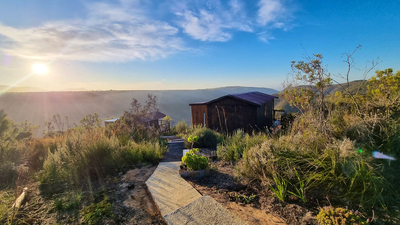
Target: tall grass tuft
x=233, y=146
x=84, y=155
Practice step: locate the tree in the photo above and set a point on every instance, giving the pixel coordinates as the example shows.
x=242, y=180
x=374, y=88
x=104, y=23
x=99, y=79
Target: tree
x=384, y=90
x=91, y=121
x=313, y=76
x=137, y=111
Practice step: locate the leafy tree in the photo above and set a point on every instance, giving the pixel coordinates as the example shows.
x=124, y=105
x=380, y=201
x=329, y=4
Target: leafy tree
x=384, y=90
x=312, y=75
x=138, y=112
x=91, y=121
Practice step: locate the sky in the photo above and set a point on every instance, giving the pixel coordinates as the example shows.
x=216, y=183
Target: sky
x=178, y=44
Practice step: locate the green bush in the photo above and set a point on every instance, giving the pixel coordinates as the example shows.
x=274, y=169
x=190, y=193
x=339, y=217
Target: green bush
x=181, y=127
x=192, y=161
x=339, y=216
x=207, y=138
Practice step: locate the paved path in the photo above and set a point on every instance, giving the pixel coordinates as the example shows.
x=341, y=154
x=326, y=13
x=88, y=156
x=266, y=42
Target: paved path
x=178, y=201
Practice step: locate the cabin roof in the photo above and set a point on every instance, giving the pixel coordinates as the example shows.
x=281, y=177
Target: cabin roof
x=111, y=120
x=254, y=98
x=153, y=116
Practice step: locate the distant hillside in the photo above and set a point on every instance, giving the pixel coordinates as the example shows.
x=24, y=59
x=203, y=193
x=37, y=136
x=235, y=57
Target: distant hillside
x=5, y=88
x=354, y=86
x=40, y=107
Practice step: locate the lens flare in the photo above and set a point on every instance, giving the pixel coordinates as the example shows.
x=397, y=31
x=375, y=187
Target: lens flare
x=40, y=69
x=379, y=155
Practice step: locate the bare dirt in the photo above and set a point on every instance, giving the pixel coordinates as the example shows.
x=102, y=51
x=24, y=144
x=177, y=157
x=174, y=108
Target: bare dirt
x=137, y=197
x=131, y=203
x=263, y=209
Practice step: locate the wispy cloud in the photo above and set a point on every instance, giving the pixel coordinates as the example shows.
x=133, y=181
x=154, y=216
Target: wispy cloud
x=129, y=30
x=212, y=21
x=217, y=21
x=108, y=33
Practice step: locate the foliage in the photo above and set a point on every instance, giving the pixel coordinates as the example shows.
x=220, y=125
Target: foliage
x=281, y=187
x=192, y=161
x=298, y=97
x=95, y=212
x=80, y=155
x=329, y=215
x=246, y=199
x=337, y=170
x=91, y=121
x=384, y=91
x=233, y=146
x=68, y=202
x=13, y=138
x=181, y=127
x=313, y=74
x=6, y=200
x=207, y=137
x=300, y=191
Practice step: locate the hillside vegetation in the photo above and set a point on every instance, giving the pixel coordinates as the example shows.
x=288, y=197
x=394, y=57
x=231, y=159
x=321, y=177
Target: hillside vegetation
x=40, y=107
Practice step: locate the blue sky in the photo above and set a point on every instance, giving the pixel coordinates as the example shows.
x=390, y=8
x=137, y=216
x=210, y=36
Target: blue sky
x=176, y=44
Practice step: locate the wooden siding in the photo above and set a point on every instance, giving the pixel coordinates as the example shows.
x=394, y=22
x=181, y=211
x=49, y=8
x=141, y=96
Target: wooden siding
x=230, y=114
x=198, y=112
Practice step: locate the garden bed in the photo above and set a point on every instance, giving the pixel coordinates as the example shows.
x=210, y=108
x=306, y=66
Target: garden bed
x=248, y=201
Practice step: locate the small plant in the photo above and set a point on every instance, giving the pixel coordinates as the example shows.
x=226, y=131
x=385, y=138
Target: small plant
x=192, y=161
x=68, y=202
x=246, y=199
x=95, y=212
x=281, y=186
x=329, y=215
x=192, y=140
x=300, y=192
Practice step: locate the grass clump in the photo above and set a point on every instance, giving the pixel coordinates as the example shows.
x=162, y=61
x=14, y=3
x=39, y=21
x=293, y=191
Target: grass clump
x=69, y=201
x=83, y=155
x=96, y=211
x=232, y=147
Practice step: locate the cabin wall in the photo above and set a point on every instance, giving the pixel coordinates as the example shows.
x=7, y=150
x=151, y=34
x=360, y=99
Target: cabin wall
x=265, y=115
x=230, y=114
x=198, y=112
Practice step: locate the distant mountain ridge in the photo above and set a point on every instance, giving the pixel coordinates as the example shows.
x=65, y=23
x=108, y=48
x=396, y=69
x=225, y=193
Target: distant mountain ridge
x=38, y=107
x=6, y=88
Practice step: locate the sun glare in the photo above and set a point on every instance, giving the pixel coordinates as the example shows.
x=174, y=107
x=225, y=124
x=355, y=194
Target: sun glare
x=40, y=69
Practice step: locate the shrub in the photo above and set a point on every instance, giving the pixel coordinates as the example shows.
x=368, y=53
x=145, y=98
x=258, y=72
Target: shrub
x=338, y=171
x=207, y=138
x=181, y=127
x=192, y=161
x=339, y=216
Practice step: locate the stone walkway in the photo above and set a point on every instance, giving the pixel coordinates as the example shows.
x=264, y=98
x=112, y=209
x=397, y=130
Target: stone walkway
x=178, y=201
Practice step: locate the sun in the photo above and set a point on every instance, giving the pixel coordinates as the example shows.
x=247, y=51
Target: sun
x=40, y=69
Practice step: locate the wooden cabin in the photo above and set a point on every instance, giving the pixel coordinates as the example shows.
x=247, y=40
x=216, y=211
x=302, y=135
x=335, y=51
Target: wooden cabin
x=155, y=119
x=248, y=111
